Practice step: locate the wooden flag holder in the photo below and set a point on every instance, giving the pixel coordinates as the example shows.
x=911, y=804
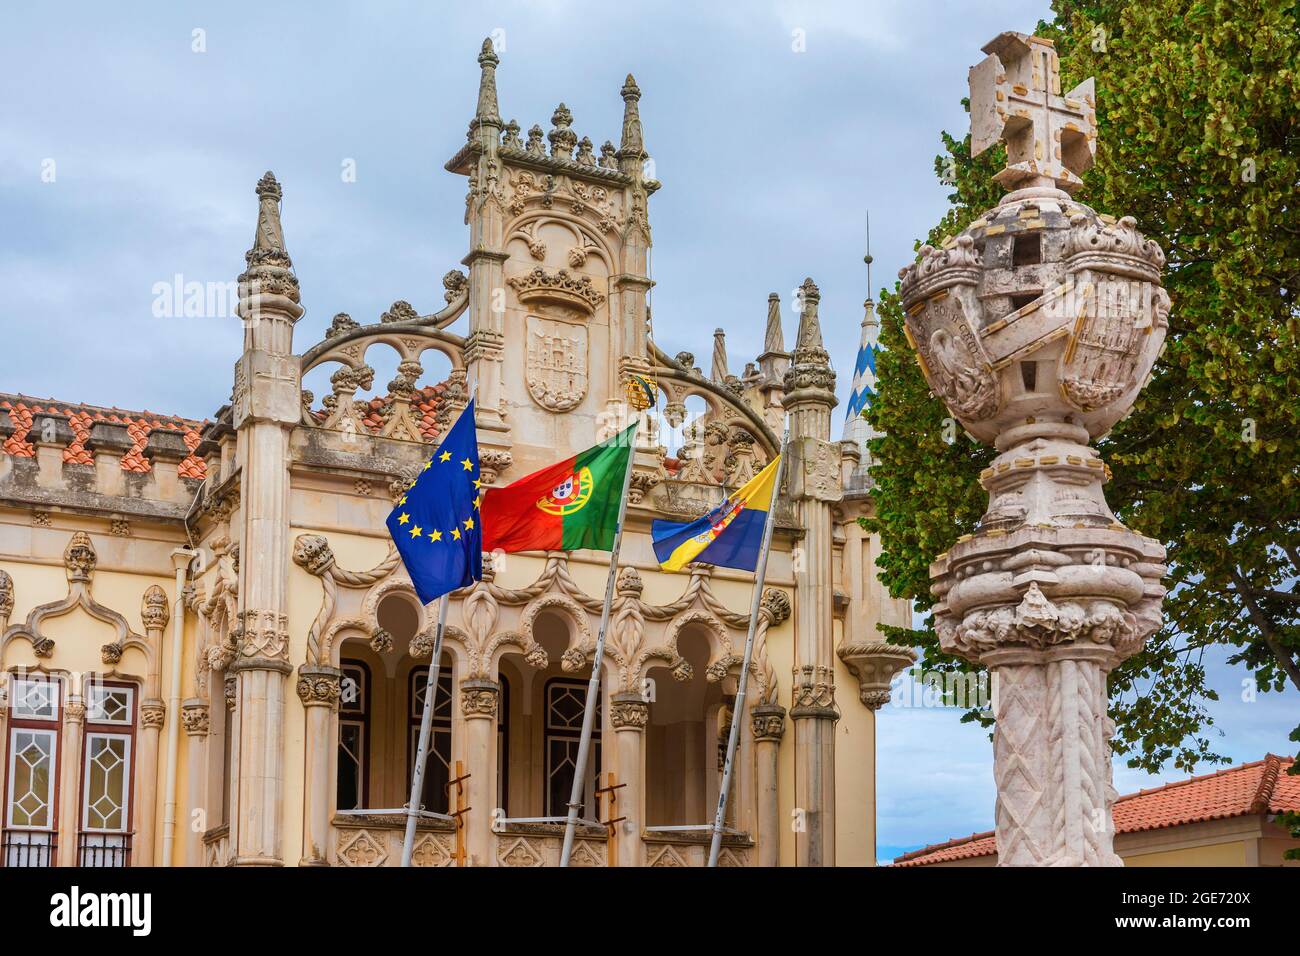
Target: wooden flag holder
x=459, y=813
x=611, y=824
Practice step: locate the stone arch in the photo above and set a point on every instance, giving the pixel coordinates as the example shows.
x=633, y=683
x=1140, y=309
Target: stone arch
x=588, y=238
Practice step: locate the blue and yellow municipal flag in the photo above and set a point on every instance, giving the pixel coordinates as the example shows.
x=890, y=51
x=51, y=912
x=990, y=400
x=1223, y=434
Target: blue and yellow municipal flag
x=435, y=525
x=729, y=536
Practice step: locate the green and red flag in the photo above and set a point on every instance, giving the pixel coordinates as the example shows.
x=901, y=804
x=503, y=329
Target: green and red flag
x=566, y=506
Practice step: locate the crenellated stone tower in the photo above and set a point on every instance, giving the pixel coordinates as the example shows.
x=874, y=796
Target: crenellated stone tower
x=568, y=279
x=1037, y=326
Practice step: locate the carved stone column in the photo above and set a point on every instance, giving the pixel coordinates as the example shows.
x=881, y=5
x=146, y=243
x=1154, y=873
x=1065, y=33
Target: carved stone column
x=768, y=723
x=485, y=214
x=194, y=717
x=318, y=689
x=1038, y=326
x=629, y=714
x=74, y=726
x=814, y=484
x=153, y=715
x=478, y=705
x=266, y=406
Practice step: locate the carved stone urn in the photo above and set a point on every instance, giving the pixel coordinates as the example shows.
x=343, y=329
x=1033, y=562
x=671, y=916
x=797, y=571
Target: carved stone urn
x=1037, y=326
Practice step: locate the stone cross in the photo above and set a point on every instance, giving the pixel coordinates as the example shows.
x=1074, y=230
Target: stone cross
x=1015, y=97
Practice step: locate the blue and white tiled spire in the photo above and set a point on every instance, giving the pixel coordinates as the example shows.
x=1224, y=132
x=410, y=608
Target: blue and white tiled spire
x=862, y=389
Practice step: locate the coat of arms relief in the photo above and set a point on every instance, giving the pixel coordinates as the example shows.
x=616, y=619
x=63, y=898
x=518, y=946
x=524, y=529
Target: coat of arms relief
x=555, y=368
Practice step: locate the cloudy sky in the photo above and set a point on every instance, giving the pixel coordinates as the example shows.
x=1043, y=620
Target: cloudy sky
x=130, y=144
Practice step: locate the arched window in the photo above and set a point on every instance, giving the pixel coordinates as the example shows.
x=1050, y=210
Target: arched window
x=565, y=702
x=437, y=769
x=354, y=736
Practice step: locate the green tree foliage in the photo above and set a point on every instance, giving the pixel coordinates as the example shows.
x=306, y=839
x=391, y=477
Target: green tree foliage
x=1198, y=134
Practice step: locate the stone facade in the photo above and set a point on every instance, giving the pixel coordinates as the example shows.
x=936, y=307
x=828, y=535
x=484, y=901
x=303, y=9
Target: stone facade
x=237, y=576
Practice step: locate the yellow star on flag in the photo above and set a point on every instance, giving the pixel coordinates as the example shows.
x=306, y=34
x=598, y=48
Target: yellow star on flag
x=455, y=533
x=469, y=524
x=416, y=532
x=435, y=535
x=445, y=456
x=403, y=518
x=467, y=464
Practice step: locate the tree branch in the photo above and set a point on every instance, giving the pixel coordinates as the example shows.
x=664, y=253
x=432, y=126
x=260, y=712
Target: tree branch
x=1284, y=657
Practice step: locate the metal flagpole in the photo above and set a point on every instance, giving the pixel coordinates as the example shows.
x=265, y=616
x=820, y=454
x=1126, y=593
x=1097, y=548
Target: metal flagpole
x=738, y=709
x=593, y=686
x=426, y=724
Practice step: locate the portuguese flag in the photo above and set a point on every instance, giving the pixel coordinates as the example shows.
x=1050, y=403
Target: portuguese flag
x=569, y=505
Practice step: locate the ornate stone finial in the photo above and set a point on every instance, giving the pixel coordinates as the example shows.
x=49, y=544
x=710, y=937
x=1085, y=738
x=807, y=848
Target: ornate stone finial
x=154, y=609
x=629, y=584
x=585, y=155
x=535, y=147
x=79, y=557
x=269, y=265
x=486, y=113
x=719, y=371
x=811, y=368
x=631, y=147
x=400, y=311
x=773, y=336
x=608, y=158
x=1015, y=97
x=510, y=137
x=561, y=137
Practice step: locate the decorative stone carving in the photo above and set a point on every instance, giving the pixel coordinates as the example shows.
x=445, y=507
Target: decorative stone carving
x=381, y=641
x=643, y=482
x=319, y=686
x=400, y=311
x=154, y=609
x=455, y=285
x=194, y=717
x=874, y=664
x=628, y=711
x=559, y=286
x=491, y=463
x=79, y=558
x=1064, y=313
x=555, y=367
x=813, y=692
x=153, y=714
x=6, y=597
x=478, y=698
x=265, y=635
x=341, y=325
x=767, y=722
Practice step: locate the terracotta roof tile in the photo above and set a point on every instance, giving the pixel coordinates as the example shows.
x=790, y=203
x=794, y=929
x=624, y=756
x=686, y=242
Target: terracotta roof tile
x=82, y=417
x=1252, y=788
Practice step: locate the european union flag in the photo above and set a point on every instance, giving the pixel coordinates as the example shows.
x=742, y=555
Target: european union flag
x=436, y=523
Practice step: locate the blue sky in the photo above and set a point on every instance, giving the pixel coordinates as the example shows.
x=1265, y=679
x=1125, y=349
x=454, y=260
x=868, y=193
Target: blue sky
x=769, y=160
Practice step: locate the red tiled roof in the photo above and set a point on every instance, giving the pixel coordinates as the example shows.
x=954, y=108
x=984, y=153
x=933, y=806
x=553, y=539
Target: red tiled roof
x=81, y=417
x=1253, y=788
